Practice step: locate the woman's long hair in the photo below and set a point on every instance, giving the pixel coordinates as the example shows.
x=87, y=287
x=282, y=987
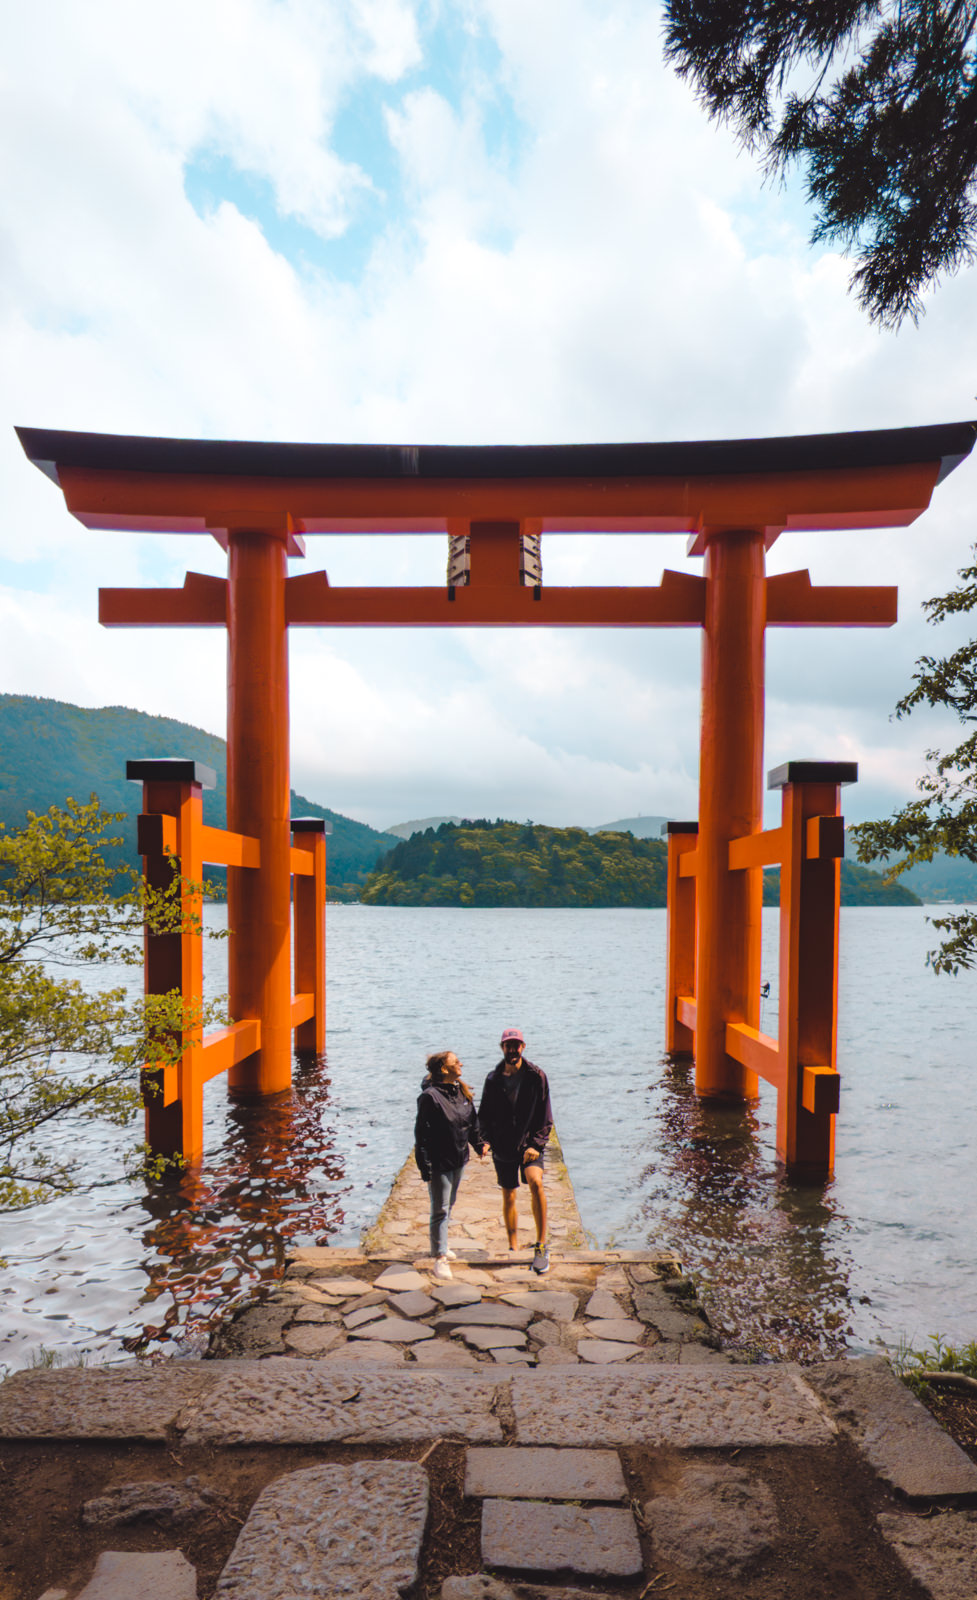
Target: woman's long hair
x=435, y=1071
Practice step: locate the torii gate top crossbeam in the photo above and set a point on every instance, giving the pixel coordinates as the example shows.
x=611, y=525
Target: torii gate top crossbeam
x=879, y=478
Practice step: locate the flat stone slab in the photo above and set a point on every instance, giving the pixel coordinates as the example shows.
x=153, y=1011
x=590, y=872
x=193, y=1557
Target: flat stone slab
x=132, y=1402
x=940, y=1552
x=364, y=1314
x=341, y=1287
x=656, y=1307
x=413, y=1304
x=332, y=1532
x=313, y=1338
x=893, y=1430
x=314, y=1314
x=123, y=1574
x=456, y=1294
x=481, y=1587
x=603, y=1304
x=300, y=1402
x=693, y=1408
x=597, y=1542
x=718, y=1519
x=600, y=1352
x=491, y=1338
x=363, y=1351
x=401, y=1280
x=161, y=1505
x=393, y=1330
x=559, y=1304
x=487, y=1314
x=624, y=1329
x=531, y=1474
x=512, y=1358
x=441, y=1353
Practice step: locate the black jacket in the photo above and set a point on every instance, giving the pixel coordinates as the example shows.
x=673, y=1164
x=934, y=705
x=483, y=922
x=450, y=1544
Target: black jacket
x=526, y=1125
x=446, y=1125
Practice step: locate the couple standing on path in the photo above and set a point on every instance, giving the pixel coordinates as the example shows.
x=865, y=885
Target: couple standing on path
x=514, y=1120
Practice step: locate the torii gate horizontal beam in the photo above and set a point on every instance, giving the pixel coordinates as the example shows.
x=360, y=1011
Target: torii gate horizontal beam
x=678, y=602
x=880, y=478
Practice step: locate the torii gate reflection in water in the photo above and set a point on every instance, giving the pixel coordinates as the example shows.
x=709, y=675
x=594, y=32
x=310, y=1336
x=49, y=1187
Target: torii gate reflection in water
x=734, y=498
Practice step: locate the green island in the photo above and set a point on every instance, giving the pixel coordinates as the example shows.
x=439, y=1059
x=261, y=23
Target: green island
x=482, y=863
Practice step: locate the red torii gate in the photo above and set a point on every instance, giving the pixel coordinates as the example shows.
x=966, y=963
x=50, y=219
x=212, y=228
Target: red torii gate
x=732, y=497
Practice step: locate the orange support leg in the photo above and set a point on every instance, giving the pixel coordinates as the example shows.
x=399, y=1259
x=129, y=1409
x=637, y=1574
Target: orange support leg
x=809, y=900
x=683, y=837
x=259, y=900
x=174, y=1101
x=730, y=804
x=309, y=894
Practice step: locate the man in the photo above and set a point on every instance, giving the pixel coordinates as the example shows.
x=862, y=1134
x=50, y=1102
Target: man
x=516, y=1120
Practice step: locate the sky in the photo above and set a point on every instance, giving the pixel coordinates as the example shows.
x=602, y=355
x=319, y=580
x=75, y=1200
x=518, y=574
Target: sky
x=439, y=221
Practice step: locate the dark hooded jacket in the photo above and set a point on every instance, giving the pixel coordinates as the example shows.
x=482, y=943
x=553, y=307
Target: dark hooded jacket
x=512, y=1128
x=446, y=1125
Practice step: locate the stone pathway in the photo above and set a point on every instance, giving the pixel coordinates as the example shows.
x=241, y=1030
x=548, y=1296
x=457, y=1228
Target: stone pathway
x=402, y=1226
x=549, y=1507
x=592, y=1308
x=605, y=1438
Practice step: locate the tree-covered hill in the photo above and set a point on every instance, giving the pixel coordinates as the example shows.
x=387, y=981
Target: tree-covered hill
x=50, y=750
x=519, y=864
x=859, y=887
x=525, y=864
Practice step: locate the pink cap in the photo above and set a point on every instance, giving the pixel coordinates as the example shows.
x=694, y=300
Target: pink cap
x=512, y=1033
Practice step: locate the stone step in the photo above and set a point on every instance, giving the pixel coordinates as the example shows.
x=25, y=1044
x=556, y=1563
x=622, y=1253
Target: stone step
x=587, y=1541
x=541, y=1474
x=332, y=1532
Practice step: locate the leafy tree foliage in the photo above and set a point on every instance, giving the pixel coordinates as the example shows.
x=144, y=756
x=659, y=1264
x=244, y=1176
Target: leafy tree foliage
x=945, y=816
x=509, y=864
x=504, y=864
x=875, y=99
x=60, y=910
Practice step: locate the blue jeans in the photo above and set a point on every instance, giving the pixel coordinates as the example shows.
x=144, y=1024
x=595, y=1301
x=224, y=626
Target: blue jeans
x=443, y=1189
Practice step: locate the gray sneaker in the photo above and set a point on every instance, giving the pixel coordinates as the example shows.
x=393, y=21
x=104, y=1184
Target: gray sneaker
x=541, y=1259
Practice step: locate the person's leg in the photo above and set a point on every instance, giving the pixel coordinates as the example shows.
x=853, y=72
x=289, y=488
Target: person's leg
x=440, y=1191
x=509, y=1216
x=453, y=1186
x=537, y=1199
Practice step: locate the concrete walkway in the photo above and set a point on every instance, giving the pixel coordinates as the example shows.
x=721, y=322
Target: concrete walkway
x=498, y=1438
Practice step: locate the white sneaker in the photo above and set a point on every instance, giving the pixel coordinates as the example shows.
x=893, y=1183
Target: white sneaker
x=441, y=1269
x=449, y=1255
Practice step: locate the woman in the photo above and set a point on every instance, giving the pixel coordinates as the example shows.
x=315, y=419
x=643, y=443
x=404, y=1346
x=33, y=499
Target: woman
x=446, y=1125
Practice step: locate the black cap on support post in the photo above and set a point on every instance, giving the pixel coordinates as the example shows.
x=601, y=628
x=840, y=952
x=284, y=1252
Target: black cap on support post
x=171, y=769
x=839, y=772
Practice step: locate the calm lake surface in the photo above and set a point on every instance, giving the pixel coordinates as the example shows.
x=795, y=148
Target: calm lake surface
x=886, y=1251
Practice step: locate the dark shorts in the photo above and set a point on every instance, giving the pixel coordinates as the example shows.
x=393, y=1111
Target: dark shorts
x=510, y=1173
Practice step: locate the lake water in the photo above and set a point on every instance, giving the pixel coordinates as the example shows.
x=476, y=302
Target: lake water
x=885, y=1251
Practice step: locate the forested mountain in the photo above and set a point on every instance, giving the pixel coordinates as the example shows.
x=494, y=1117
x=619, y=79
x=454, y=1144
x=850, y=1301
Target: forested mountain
x=49, y=750
x=944, y=880
x=519, y=864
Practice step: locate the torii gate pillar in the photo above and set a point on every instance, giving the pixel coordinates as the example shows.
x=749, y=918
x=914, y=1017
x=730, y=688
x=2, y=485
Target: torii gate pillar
x=259, y=904
x=730, y=805
x=733, y=496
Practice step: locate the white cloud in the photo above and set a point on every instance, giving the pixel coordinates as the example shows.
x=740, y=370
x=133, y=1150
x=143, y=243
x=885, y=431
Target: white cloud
x=608, y=266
